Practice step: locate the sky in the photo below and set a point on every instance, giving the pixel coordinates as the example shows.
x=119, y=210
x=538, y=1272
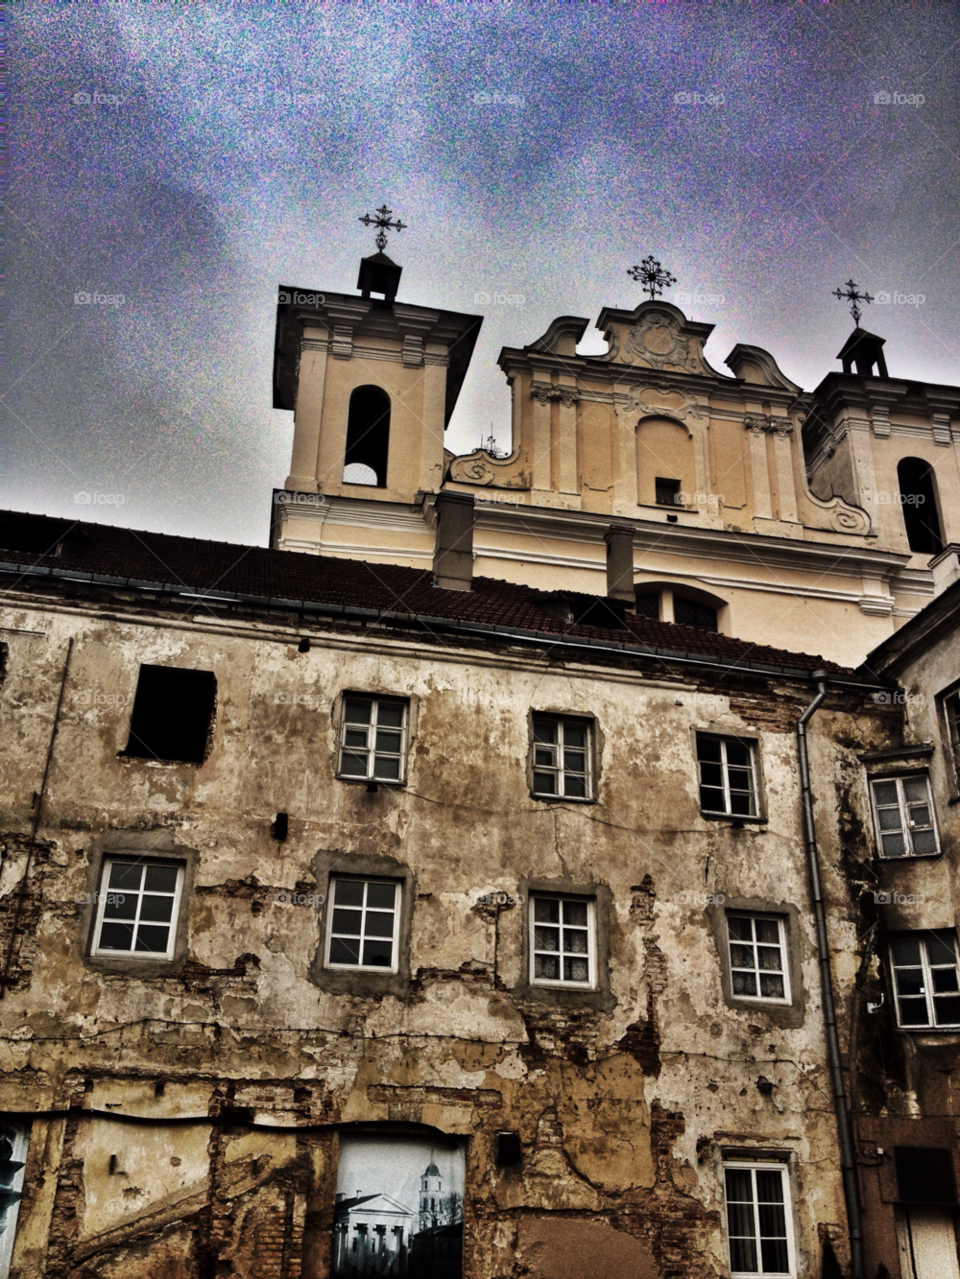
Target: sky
x=177, y=162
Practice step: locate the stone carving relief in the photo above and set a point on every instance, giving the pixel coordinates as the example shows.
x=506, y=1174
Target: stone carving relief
x=658, y=343
x=543, y=393
x=779, y=426
x=660, y=401
x=479, y=467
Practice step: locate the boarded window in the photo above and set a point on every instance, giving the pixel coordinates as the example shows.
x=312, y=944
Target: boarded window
x=368, y=437
x=171, y=714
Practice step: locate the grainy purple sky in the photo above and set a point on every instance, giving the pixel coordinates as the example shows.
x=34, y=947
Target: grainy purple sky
x=189, y=158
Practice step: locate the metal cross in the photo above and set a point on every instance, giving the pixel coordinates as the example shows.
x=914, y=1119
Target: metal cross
x=854, y=297
x=383, y=224
x=652, y=276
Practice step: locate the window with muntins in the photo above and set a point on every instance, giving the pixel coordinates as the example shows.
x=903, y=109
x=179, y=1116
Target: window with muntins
x=758, y=968
x=137, y=908
x=362, y=927
x=728, y=776
x=561, y=757
x=373, y=738
x=758, y=1220
x=904, y=815
x=951, y=710
x=926, y=980
x=563, y=946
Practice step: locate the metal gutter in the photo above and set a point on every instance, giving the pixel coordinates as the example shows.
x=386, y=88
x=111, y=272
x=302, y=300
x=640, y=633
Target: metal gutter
x=851, y=1191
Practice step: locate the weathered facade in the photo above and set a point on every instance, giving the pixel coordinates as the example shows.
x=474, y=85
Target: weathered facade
x=362, y=917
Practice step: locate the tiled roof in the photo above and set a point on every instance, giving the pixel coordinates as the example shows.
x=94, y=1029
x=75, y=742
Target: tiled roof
x=288, y=578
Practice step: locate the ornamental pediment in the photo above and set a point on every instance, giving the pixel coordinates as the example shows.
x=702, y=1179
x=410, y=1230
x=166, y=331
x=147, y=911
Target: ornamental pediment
x=659, y=338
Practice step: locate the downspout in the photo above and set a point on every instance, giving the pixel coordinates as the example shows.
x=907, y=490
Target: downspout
x=851, y=1191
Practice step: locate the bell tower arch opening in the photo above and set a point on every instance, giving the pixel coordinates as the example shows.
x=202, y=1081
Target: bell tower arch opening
x=368, y=437
x=918, y=501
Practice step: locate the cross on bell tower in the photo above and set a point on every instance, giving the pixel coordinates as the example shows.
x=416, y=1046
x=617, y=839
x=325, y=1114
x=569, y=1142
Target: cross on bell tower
x=853, y=297
x=381, y=220
x=652, y=276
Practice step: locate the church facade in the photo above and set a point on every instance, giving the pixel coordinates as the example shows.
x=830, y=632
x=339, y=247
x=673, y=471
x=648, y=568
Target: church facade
x=526, y=865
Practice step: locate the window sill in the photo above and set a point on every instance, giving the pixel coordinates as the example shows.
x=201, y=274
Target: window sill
x=880, y=859
x=159, y=763
x=734, y=818
x=563, y=799
x=371, y=781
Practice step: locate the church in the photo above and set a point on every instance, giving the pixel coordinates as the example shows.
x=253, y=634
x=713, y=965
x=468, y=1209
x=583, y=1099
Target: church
x=575, y=829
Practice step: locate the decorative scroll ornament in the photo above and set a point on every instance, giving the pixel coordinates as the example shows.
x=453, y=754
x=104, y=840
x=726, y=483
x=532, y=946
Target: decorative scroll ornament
x=779, y=426
x=657, y=341
x=543, y=393
x=671, y=403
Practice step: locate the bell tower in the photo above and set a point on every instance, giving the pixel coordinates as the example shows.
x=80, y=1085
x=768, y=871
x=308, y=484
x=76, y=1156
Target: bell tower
x=372, y=383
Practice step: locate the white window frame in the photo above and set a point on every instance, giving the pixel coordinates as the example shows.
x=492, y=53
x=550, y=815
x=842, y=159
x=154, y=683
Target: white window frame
x=375, y=700
x=906, y=827
x=104, y=892
x=395, y=937
x=725, y=775
x=20, y=1125
x=556, y=769
x=591, y=955
x=780, y=922
x=754, y=1166
x=928, y=992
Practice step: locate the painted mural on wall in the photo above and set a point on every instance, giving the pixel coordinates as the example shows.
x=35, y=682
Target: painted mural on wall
x=399, y=1208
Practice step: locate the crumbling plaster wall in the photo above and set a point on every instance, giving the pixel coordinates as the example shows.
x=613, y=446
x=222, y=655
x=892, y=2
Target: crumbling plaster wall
x=622, y=1112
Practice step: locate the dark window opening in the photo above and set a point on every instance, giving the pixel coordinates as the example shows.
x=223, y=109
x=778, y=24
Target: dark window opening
x=648, y=606
x=171, y=714
x=918, y=500
x=368, y=437
x=690, y=613
x=925, y=1175
x=667, y=491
